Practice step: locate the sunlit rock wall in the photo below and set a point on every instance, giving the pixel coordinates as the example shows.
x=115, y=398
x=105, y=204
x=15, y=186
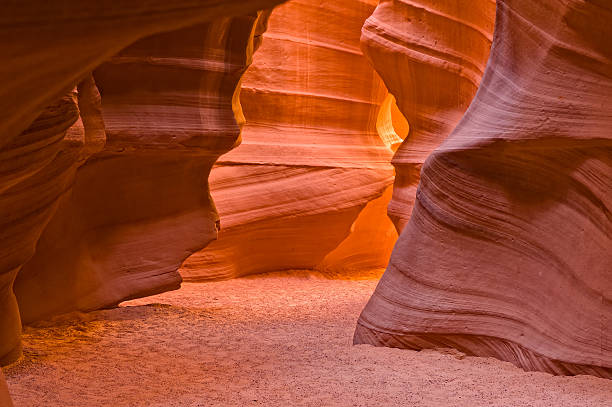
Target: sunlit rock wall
x=508, y=250
x=310, y=173
x=47, y=131
x=431, y=55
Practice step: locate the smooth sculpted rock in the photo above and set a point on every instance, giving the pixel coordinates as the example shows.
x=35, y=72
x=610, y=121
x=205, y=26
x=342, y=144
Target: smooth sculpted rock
x=305, y=188
x=37, y=169
x=47, y=49
x=431, y=55
x=138, y=208
x=508, y=252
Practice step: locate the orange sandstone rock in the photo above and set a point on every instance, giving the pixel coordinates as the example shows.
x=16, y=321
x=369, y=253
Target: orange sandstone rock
x=311, y=159
x=47, y=49
x=431, y=55
x=57, y=44
x=508, y=252
x=38, y=170
x=141, y=206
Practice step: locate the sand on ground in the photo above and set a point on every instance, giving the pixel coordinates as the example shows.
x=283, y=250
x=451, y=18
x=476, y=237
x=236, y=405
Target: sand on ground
x=282, y=339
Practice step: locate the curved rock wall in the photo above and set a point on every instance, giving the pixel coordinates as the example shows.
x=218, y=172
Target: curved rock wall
x=37, y=169
x=310, y=159
x=508, y=250
x=47, y=49
x=51, y=46
x=141, y=206
x=431, y=55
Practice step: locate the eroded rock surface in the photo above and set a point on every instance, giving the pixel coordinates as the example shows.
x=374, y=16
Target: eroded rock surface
x=311, y=160
x=142, y=205
x=44, y=137
x=431, y=55
x=50, y=46
x=508, y=250
x=38, y=169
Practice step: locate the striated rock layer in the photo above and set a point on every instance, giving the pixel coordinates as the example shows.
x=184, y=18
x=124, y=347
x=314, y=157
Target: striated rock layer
x=138, y=208
x=508, y=252
x=431, y=55
x=37, y=169
x=311, y=169
x=51, y=46
x=45, y=137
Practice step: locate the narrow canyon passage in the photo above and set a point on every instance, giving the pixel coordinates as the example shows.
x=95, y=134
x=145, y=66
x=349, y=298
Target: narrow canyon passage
x=276, y=340
x=306, y=203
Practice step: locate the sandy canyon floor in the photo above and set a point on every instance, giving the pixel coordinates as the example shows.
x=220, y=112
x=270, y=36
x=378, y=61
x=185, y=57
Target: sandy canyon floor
x=274, y=340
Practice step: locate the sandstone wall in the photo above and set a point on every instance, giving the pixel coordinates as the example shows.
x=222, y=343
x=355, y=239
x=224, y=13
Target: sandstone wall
x=47, y=49
x=38, y=168
x=508, y=249
x=142, y=205
x=431, y=55
x=311, y=159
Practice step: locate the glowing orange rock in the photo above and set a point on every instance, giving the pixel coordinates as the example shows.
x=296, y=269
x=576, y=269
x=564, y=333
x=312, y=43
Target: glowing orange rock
x=508, y=250
x=431, y=55
x=311, y=159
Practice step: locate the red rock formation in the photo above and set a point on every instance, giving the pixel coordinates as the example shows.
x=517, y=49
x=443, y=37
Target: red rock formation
x=37, y=169
x=47, y=49
x=443, y=44
x=310, y=158
x=368, y=246
x=508, y=252
x=141, y=206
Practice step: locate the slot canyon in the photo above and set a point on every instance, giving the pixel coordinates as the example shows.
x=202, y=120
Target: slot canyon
x=306, y=203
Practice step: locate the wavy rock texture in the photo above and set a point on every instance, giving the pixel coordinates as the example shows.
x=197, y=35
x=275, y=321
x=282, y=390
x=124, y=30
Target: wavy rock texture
x=141, y=206
x=47, y=49
x=508, y=251
x=310, y=159
x=37, y=169
x=442, y=43
x=38, y=36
